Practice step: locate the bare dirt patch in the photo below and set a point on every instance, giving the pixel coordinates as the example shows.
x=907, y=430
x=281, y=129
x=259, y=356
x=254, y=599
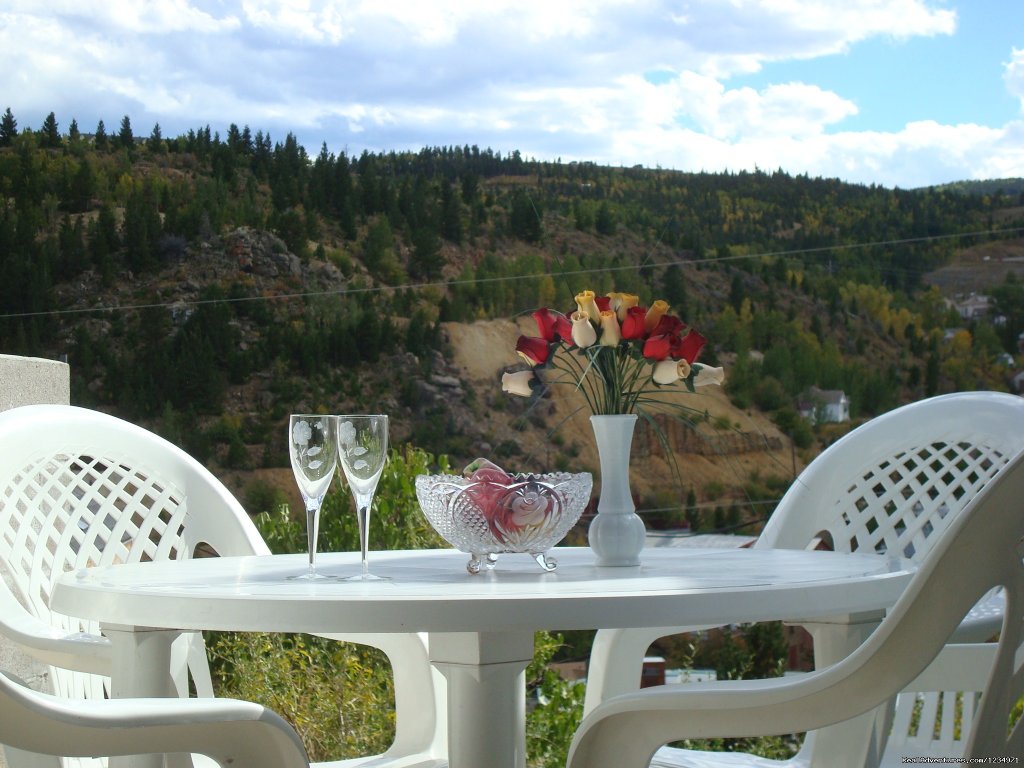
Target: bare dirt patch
x=980, y=268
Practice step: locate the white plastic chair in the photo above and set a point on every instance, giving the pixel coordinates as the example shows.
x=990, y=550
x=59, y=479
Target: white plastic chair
x=980, y=550
x=81, y=488
x=229, y=732
x=891, y=485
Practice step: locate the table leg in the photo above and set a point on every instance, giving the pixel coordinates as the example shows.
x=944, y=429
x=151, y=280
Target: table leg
x=859, y=740
x=141, y=668
x=486, y=679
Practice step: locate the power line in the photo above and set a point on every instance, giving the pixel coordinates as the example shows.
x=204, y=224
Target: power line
x=817, y=250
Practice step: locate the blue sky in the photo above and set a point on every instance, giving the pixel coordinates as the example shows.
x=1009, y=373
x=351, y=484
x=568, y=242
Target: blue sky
x=893, y=92
x=955, y=78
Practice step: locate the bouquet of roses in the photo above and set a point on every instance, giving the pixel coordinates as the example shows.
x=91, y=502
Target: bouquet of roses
x=618, y=353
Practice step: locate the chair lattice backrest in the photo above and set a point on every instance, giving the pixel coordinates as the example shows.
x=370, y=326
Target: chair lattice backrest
x=894, y=483
x=67, y=509
x=900, y=504
x=81, y=488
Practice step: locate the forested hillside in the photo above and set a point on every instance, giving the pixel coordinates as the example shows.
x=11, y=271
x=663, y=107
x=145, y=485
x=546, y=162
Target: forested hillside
x=208, y=285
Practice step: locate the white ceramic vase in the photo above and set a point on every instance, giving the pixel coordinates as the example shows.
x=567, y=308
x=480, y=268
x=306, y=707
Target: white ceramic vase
x=616, y=533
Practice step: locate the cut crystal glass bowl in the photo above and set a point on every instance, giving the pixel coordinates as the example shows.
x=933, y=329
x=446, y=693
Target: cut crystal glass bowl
x=530, y=514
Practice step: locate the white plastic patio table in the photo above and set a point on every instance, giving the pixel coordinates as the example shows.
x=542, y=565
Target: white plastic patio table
x=481, y=627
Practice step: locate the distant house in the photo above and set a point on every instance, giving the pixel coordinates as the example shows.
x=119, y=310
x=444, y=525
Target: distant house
x=1017, y=382
x=973, y=306
x=824, y=405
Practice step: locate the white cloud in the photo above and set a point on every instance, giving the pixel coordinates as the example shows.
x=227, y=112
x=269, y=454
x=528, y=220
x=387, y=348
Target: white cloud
x=740, y=36
x=1013, y=75
x=128, y=15
x=552, y=79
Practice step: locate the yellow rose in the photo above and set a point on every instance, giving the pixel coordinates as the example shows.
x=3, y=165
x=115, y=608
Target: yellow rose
x=610, y=333
x=654, y=314
x=625, y=302
x=585, y=303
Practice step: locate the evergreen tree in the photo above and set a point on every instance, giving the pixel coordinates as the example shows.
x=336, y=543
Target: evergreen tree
x=426, y=260
x=604, y=220
x=103, y=242
x=142, y=228
x=83, y=187
x=344, y=197
x=156, y=141
x=8, y=128
x=377, y=246
x=525, y=218
x=101, y=136
x=125, y=138
x=673, y=290
x=451, y=214
x=49, y=135
x=73, y=133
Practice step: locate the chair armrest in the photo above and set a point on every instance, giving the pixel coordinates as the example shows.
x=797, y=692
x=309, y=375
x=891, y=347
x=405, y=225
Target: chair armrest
x=80, y=651
x=231, y=732
x=617, y=660
x=628, y=729
x=421, y=708
x=984, y=620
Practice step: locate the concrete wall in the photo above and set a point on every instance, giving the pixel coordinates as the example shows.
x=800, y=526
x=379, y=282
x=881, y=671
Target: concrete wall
x=29, y=381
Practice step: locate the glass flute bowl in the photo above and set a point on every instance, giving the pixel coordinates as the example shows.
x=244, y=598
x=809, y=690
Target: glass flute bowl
x=529, y=514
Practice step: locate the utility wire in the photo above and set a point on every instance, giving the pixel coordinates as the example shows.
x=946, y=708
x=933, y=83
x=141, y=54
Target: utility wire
x=818, y=250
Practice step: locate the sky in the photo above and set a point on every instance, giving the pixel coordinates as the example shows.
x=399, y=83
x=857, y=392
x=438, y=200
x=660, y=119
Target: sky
x=899, y=93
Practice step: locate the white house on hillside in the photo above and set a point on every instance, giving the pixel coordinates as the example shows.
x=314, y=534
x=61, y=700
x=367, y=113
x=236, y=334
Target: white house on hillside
x=824, y=405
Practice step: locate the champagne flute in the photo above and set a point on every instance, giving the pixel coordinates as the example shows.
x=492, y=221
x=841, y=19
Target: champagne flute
x=362, y=450
x=313, y=451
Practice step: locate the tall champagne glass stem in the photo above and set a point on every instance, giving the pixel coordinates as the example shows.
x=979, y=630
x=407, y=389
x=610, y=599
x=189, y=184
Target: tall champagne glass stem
x=312, y=533
x=362, y=451
x=364, y=501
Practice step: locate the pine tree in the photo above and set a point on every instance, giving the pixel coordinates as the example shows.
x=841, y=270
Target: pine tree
x=125, y=137
x=156, y=140
x=83, y=187
x=8, y=128
x=101, y=135
x=451, y=214
x=604, y=220
x=73, y=133
x=525, y=218
x=50, y=133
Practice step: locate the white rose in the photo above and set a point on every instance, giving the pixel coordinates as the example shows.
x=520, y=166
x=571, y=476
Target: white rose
x=706, y=376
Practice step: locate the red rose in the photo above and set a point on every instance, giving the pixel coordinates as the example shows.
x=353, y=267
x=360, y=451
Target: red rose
x=668, y=325
x=657, y=347
x=633, y=323
x=533, y=350
x=553, y=326
x=689, y=346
